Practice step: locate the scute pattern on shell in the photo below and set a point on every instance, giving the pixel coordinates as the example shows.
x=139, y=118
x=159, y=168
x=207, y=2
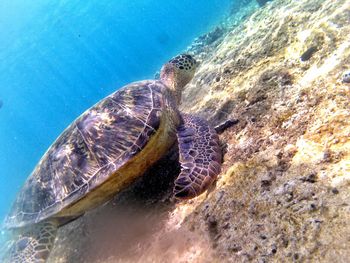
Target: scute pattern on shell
x=93, y=147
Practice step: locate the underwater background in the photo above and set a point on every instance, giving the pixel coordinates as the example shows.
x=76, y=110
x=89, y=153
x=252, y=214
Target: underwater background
x=58, y=58
x=278, y=70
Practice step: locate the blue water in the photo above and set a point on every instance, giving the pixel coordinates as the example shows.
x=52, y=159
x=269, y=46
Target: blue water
x=57, y=58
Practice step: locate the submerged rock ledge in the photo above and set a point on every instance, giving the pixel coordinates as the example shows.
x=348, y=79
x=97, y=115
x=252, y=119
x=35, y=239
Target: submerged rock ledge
x=283, y=194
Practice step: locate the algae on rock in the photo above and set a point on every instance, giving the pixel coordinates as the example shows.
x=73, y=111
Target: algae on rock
x=285, y=185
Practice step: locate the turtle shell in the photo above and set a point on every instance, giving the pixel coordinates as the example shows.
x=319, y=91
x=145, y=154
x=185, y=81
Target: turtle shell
x=89, y=151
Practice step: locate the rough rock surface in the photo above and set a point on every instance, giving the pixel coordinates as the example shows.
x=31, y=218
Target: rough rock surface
x=283, y=194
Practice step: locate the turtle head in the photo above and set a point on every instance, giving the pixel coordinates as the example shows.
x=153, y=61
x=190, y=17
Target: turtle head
x=178, y=72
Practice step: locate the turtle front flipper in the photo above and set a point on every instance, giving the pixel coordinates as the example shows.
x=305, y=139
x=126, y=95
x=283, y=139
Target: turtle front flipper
x=32, y=244
x=200, y=157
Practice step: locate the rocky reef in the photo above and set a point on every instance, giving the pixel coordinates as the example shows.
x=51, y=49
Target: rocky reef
x=283, y=194
x=262, y=2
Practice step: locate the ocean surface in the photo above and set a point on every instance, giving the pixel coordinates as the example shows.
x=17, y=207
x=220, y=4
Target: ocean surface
x=58, y=58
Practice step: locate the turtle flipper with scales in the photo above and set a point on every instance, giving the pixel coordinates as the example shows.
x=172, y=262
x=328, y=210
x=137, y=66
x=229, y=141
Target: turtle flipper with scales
x=106, y=149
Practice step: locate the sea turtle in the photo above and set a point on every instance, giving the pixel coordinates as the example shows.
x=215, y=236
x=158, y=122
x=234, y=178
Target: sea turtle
x=104, y=150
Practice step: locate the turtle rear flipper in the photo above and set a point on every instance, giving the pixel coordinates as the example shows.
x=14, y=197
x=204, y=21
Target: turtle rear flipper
x=200, y=157
x=32, y=244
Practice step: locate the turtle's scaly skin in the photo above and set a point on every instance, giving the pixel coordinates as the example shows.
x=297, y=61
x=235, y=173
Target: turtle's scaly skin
x=39, y=238
x=200, y=157
x=99, y=154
